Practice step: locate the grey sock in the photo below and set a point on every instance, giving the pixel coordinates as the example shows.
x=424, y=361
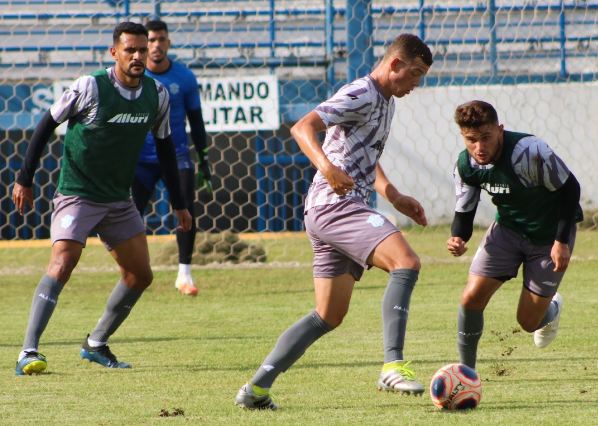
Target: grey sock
x=291, y=345
x=553, y=309
x=44, y=301
x=118, y=307
x=395, y=311
x=470, y=325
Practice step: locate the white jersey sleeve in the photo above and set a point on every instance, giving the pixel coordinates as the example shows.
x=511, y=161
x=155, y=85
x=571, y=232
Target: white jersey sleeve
x=161, y=126
x=467, y=196
x=536, y=164
x=80, y=98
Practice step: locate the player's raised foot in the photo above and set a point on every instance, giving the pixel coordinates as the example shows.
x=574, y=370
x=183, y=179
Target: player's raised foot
x=184, y=283
x=545, y=335
x=254, y=399
x=101, y=355
x=32, y=363
x=398, y=377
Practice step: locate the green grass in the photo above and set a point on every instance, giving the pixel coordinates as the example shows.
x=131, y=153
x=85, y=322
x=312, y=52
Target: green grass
x=194, y=353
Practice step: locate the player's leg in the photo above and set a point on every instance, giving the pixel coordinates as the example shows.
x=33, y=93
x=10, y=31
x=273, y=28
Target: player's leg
x=186, y=240
x=497, y=260
x=470, y=320
x=123, y=234
x=333, y=296
x=540, y=305
x=334, y=278
x=147, y=176
x=63, y=259
x=395, y=255
x=535, y=311
x=72, y=221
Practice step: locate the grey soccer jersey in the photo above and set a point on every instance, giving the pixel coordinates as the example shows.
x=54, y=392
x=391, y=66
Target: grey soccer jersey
x=81, y=98
x=535, y=164
x=358, y=119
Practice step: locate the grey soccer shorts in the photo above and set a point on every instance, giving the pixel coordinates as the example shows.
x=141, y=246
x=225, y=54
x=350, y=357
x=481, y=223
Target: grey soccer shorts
x=502, y=251
x=343, y=235
x=75, y=217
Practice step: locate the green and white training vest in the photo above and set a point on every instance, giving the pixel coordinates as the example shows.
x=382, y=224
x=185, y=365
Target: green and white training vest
x=532, y=212
x=99, y=158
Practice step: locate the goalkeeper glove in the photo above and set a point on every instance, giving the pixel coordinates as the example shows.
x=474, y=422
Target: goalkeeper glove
x=204, y=172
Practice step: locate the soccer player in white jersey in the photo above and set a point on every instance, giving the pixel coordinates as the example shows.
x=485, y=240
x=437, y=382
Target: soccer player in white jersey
x=537, y=200
x=347, y=235
x=109, y=113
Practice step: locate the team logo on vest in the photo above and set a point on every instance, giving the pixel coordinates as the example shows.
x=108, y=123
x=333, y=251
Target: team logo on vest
x=140, y=118
x=497, y=188
x=375, y=220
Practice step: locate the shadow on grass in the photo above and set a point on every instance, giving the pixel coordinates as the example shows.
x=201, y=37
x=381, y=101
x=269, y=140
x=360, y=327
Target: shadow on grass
x=78, y=342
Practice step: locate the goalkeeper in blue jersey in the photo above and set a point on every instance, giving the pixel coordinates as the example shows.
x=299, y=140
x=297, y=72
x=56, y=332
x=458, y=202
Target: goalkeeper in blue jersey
x=184, y=102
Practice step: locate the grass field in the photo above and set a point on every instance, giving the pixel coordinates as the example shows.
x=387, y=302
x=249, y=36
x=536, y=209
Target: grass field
x=193, y=354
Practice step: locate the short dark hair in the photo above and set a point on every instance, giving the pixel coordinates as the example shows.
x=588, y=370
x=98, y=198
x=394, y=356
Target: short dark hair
x=475, y=114
x=128, y=28
x=156, y=25
x=410, y=46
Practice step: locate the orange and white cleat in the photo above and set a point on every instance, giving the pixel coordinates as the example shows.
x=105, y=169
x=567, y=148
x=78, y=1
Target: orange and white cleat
x=184, y=283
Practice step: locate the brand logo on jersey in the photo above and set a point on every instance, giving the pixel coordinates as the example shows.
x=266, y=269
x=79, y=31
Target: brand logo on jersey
x=66, y=221
x=549, y=283
x=129, y=118
x=499, y=188
x=173, y=88
x=375, y=220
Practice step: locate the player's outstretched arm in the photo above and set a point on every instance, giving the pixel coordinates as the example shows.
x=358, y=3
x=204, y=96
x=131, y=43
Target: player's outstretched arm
x=305, y=132
x=404, y=204
x=22, y=192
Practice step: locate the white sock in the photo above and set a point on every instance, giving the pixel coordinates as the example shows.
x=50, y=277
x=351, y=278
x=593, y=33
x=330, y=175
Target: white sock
x=95, y=343
x=184, y=269
x=23, y=353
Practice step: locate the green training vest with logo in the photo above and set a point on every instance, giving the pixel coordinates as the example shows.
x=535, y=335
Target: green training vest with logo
x=532, y=212
x=99, y=158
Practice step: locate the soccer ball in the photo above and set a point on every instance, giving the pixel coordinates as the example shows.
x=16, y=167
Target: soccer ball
x=456, y=387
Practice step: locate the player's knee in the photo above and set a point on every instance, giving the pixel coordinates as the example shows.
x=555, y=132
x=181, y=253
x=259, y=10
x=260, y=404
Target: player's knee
x=333, y=319
x=408, y=262
x=527, y=324
x=414, y=263
x=334, y=322
x=471, y=299
x=139, y=280
x=61, y=267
